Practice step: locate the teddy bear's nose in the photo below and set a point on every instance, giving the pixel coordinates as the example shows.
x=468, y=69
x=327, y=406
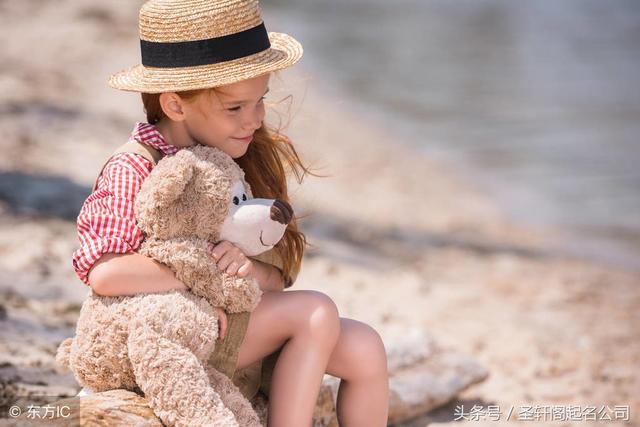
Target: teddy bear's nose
x=281, y=211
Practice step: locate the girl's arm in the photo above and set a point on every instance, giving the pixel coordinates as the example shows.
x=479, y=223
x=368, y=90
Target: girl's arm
x=130, y=274
x=269, y=278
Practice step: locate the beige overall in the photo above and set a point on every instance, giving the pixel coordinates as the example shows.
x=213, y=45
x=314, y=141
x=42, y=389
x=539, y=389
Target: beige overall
x=257, y=376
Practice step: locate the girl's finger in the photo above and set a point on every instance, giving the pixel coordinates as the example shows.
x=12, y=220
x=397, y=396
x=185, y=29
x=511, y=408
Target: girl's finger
x=225, y=261
x=222, y=324
x=232, y=269
x=243, y=271
x=220, y=249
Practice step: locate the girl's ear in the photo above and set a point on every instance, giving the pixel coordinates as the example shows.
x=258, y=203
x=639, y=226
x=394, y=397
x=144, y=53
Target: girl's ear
x=172, y=106
x=165, y=184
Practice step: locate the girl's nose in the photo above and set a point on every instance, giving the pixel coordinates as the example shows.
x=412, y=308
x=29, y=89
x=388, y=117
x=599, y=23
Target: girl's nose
x=254, y=120
x=281, y=211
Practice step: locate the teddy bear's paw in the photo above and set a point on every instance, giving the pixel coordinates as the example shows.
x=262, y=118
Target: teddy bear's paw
x=63, y=355
x=233, y=399
x=240, y=294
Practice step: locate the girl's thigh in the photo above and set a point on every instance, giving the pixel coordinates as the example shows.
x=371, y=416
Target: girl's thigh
x=277, y=318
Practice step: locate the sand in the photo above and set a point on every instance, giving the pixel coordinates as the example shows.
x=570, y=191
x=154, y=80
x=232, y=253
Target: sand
x=399, y=241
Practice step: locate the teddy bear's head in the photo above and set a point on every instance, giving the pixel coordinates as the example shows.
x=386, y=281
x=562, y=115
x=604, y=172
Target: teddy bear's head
x=201, y=192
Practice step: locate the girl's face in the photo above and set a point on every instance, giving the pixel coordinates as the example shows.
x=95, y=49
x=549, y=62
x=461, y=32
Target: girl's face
x=228, y=116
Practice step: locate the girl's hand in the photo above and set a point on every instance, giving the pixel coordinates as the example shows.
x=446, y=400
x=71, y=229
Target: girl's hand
x=222, y=322
x=231, y=260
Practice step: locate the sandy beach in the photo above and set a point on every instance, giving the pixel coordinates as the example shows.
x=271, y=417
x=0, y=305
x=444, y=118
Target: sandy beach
x=398, y=241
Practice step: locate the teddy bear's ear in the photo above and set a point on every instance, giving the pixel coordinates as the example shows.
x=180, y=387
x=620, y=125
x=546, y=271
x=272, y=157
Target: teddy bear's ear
x=166, y=183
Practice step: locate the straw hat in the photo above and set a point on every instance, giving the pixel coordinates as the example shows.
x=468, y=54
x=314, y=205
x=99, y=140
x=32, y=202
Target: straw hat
x=197, y=44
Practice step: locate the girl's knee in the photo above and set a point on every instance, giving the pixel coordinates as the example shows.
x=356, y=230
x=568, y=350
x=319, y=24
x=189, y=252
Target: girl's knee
x=371, y=354
x=320, y=316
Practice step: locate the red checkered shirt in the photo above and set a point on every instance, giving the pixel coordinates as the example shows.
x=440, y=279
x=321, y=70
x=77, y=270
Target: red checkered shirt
x=106, y=222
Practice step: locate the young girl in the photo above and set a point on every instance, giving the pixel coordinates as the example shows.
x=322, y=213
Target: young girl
x=205, y=71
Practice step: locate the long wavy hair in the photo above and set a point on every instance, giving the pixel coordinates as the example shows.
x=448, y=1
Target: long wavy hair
x=264, y=167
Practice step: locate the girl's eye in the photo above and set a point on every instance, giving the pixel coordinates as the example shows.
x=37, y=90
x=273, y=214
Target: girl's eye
x=236, y=201
x=244, y=197
x=235, y=109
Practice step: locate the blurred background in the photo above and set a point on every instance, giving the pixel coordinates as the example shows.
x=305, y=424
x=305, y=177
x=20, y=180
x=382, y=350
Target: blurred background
x=482, y=179
x=539, y=101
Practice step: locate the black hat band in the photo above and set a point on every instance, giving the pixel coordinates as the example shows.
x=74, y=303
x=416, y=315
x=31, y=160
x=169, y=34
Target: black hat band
x=205, y=52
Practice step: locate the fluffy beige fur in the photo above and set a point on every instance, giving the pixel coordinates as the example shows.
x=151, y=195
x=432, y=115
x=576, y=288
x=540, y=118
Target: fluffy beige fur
x=160, y=343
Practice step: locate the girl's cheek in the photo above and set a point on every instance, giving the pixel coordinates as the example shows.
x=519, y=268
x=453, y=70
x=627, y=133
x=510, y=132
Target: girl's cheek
x=226, y=126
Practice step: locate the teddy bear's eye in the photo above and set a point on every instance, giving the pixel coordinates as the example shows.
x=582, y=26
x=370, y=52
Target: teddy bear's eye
x=244, y=197
x=236, y=201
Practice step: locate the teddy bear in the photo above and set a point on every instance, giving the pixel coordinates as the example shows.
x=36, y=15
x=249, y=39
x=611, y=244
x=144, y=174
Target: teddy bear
x=159, y=344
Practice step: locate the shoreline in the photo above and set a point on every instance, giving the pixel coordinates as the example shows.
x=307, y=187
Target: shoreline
x=551, y=152
x=461, y=270
x=607, y=248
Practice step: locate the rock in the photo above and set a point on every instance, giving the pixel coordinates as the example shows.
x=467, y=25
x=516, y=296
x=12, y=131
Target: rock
x=114, y=407
x=422, y=376
x=325, y=413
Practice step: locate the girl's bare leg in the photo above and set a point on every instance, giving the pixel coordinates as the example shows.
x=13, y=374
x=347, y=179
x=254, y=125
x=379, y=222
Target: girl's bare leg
x=360, y=360
x=308, y=325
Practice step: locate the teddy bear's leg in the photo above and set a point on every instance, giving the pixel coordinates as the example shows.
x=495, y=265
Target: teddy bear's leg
x=233, y=399
x=97, y=355
x=175, y=382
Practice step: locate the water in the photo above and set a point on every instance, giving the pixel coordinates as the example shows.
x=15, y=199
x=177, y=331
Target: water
x=538, y=101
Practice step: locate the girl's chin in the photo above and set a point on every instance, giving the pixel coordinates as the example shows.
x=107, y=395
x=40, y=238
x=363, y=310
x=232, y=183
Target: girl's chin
x=236, y=152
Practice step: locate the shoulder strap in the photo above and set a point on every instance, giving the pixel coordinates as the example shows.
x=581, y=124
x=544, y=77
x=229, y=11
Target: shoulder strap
x=146, y=151
x=135, y=147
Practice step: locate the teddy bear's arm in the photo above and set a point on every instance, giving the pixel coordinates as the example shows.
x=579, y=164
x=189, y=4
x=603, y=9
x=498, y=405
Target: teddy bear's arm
x=240, y=294
x=192, y=263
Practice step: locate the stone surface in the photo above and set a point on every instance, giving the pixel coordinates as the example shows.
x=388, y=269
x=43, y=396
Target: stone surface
x=109, y=408
x=422, y=376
